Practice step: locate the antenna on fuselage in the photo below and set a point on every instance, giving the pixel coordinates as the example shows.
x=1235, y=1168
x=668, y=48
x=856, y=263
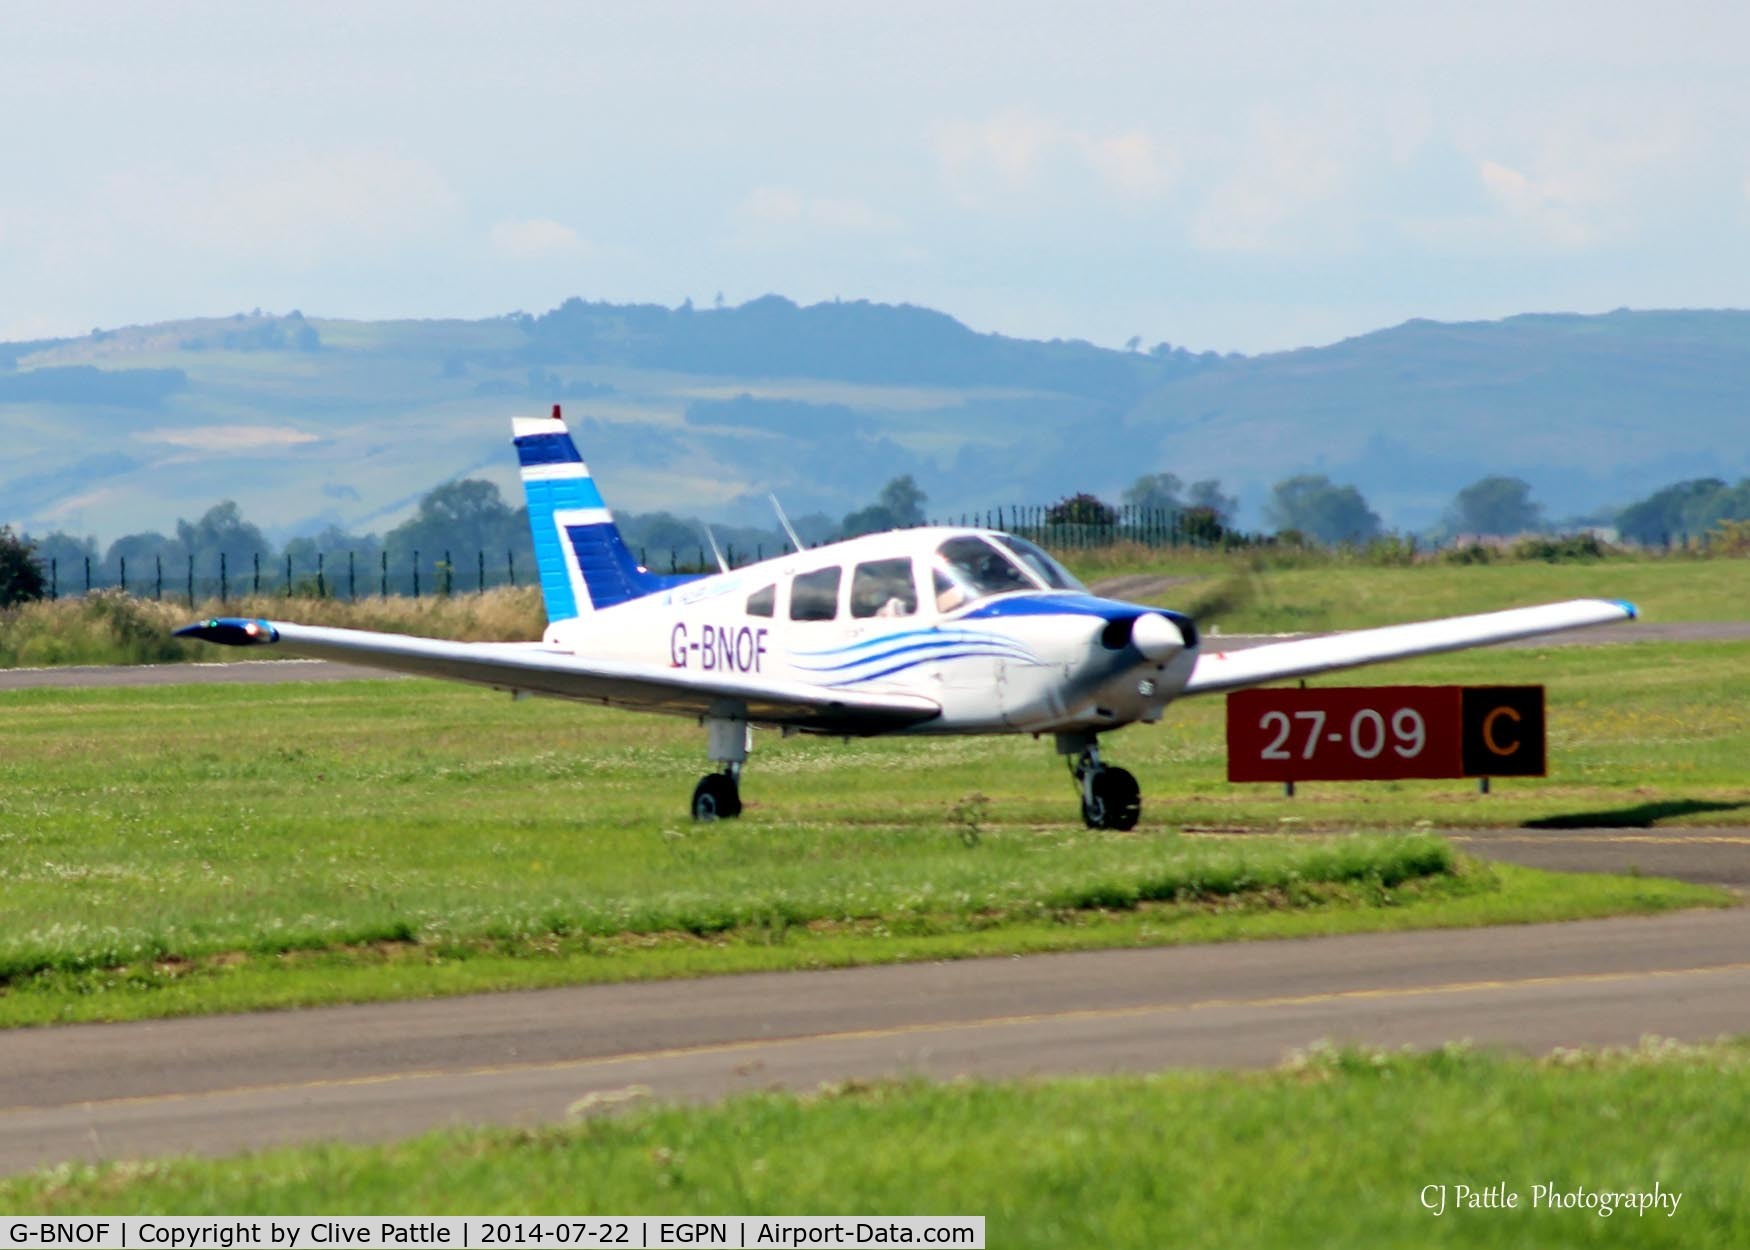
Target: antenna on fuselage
x=722, y=564
x=785, y=522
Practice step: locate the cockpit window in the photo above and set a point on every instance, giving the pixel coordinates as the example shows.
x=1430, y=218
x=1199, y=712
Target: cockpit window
x=980, y=569
x=883, y=588
x=1048, y=570
x=762, y=601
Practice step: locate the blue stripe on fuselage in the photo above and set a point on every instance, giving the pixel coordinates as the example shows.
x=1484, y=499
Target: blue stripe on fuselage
x=971, y=653
x=1078, y=605
x=988, y=643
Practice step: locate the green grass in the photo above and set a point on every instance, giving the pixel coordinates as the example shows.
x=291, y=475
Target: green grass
x=1332, y=1148
x=204, y=848
x=1328, y=594
x=112, y=628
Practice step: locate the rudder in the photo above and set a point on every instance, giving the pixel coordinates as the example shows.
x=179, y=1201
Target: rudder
x=583, y=561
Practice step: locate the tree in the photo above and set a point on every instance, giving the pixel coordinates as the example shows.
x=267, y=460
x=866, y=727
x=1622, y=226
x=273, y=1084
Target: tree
x=904, y=501
x=1157, y=492
x=899, y=505
x=467, y=515
x=1206, y=496
x=1165, y=492
x=1317, y=507
x=1680, y=508
x=66, y=553
x=1201, y=527
x=21, y=578
x=1495, y=505
x=1081, y=509
x=143, y=552
x=222, y=531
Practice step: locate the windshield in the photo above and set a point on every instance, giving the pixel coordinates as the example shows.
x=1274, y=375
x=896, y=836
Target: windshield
x=977, y=569
x=1048, y=570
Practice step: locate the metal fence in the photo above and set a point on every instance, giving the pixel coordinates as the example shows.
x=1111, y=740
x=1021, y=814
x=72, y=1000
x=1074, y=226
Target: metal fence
x=355, y=575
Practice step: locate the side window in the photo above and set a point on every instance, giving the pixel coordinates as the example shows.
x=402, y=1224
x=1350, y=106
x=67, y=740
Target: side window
x=815, y=596
x=761, y=601
x=883, y=588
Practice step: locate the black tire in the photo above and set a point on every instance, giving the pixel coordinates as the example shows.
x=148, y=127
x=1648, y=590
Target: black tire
x=1117, y=802
x=716, y=797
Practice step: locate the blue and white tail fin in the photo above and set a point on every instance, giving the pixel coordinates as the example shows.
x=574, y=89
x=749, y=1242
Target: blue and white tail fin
x=584, y=563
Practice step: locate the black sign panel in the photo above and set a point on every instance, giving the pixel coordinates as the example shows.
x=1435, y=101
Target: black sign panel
x=1503, y=731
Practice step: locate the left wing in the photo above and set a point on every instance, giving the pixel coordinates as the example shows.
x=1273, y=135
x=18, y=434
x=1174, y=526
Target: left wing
x=532, y=668
x=1218, y=671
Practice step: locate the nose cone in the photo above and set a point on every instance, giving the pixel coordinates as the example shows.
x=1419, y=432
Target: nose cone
x=1156, y=637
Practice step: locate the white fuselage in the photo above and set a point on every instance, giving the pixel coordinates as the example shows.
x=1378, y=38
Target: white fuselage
x=1028, y=659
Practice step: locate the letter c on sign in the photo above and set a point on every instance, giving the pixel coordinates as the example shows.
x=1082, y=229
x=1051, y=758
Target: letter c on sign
x=1489, y=731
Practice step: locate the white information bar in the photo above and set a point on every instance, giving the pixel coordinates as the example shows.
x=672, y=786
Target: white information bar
x=612, y=1232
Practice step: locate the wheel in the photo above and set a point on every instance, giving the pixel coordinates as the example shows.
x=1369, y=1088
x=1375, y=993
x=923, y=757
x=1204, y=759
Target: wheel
x=716, y=797
x=1116, y=802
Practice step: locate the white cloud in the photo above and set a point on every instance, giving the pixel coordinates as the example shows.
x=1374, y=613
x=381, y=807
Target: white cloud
x=1129, y=163
x=1286, y=172
x=1008, y=146
x=1014, y=151
x=536, y=238
x=1551, y=208
x=227, y=438
x=298, y=206
x=767, y=209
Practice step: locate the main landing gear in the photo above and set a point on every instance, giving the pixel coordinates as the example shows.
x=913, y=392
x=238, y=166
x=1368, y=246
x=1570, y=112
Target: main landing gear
x=1111, y=799
x=718, y=795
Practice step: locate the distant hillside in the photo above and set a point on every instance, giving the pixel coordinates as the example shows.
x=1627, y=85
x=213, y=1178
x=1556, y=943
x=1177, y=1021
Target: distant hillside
x=1591, y=410
x=310, y=421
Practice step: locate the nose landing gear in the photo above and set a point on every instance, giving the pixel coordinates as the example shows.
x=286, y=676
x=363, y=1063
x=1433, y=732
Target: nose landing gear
x=1111, y=799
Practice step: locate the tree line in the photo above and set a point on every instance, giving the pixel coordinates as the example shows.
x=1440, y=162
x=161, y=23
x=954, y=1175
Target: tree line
x=469, y=520
x=1313, y=508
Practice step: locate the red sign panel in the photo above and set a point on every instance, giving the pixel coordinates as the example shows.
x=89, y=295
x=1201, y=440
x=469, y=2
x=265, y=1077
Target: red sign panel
x=1382, y=733
x=1345, y=733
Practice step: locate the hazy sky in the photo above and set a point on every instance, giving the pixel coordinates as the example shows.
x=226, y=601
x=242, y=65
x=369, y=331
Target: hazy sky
x=1230, y=176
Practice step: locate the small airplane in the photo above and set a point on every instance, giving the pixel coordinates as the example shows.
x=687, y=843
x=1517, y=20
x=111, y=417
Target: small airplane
x=938, y=630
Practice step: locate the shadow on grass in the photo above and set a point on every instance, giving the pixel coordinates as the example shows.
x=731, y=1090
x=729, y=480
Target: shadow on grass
x=1642, y=816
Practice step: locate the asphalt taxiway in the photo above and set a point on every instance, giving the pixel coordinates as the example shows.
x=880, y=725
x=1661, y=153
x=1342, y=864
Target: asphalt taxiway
x=381, y=1071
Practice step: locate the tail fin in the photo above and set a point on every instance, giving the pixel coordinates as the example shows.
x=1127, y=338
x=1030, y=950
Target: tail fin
x=584, y=563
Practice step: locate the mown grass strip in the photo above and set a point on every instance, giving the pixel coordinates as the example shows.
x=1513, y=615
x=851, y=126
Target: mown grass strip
x=189, y=826
x=1334, y=1147
x=1472, y=894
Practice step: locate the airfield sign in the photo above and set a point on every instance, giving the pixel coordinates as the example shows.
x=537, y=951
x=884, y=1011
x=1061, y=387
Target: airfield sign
x=1384, y=733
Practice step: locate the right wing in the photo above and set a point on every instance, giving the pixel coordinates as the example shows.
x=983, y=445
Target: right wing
x=1218, y=671
x=531, y=668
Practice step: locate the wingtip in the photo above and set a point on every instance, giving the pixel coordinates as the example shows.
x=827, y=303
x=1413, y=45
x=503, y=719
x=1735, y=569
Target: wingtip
x=1633, y=612
x=231, y=631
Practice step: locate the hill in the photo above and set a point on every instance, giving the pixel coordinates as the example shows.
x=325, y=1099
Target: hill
x=311, y=421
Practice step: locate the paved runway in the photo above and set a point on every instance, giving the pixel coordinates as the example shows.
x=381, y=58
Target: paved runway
x=384, y=1071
